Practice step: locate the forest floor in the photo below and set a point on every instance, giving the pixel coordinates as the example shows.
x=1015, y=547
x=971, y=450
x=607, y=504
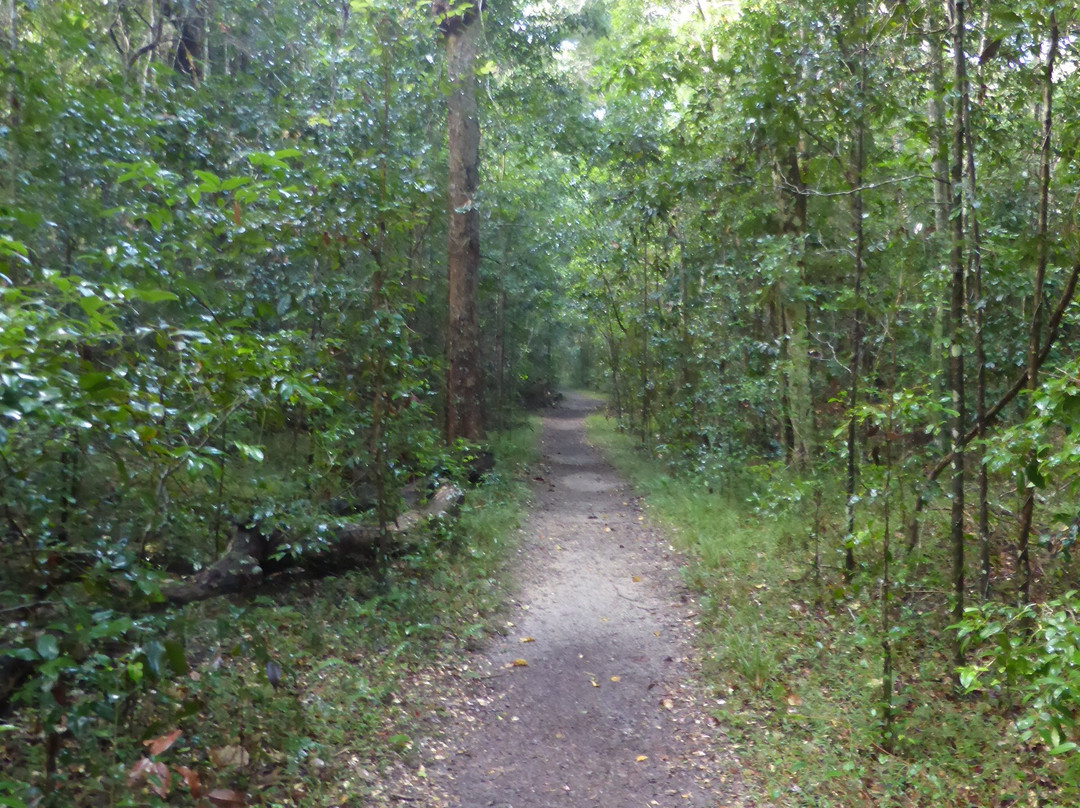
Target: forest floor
x=590, y=696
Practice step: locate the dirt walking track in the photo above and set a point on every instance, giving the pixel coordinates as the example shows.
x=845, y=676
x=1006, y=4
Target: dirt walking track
x=590, y=697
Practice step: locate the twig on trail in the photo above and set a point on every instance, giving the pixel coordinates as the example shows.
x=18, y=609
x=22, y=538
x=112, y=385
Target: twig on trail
x=476, y=677
x=632, y=600
x=404, y=798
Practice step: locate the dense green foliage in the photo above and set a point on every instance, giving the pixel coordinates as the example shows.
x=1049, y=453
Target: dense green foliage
x=222, y=288
x=796, y=675
x=222, y=276
x=822, y=257
x=829, y=271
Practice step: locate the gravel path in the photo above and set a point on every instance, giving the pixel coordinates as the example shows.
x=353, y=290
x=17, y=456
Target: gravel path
x=591, y=697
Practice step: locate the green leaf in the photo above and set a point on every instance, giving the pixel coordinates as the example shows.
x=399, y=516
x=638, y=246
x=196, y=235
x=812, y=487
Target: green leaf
x=155, y=654
x=174, y=654
x=969, y=677
x=1006, y=16
x=249, y=451
x=94, y=381
x=199, y=421
x=10, y=248
x=155, y=295
x=1034, y=476
x=264, y=160
x=47, y=647
x=211, y=183
x=234, y=182
x=91, y=305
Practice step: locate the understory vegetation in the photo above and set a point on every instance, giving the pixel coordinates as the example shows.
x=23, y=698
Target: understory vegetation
x=794, y=658
x=297, y=692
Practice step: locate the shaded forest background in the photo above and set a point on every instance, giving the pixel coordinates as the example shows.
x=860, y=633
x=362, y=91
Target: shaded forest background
x=822, y=259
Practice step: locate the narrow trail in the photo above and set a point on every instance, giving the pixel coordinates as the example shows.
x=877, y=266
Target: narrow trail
x=605, y=711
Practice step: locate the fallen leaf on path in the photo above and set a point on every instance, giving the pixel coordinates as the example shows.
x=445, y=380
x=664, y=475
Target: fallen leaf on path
x=519, y=663
x=527, y=639
x=227, y=798
x=155, y=746
x=153, y=773
x=636, y=579
x=191, y=779
x=616, y=678
x=641, y=758
x=229, y=756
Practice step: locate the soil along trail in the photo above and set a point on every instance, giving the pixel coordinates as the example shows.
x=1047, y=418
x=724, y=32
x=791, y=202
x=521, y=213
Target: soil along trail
x=600, y=713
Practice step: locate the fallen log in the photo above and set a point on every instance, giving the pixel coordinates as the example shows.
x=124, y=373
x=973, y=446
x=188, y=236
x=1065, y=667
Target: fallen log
x=251, y=556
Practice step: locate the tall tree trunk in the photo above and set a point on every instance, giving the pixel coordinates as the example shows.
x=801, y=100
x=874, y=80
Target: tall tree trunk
x=956, y=322
x=188, y=17
x=793, y=311
x=464, y=402
x=380, y=397
x=503, y=406
x=644, y=367
x=9, y=36
x=1035, y=332
x=975, y=296
x=858, y=163
x=888, y=677
x=939, y=169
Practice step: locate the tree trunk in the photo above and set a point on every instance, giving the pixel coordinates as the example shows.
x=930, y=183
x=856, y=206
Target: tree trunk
x=858, y=163
x=644, y=366
x=188, y=17
x=939, y=169
x=9, y=36
x=1027, y=508
x=956, y=323
x=793, y=311
x=975, y=296
x=464, y=403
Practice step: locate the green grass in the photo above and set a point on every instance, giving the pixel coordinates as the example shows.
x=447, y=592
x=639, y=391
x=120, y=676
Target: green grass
x=795, y=660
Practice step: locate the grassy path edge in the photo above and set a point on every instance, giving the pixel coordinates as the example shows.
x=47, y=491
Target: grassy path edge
x=794, y=663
